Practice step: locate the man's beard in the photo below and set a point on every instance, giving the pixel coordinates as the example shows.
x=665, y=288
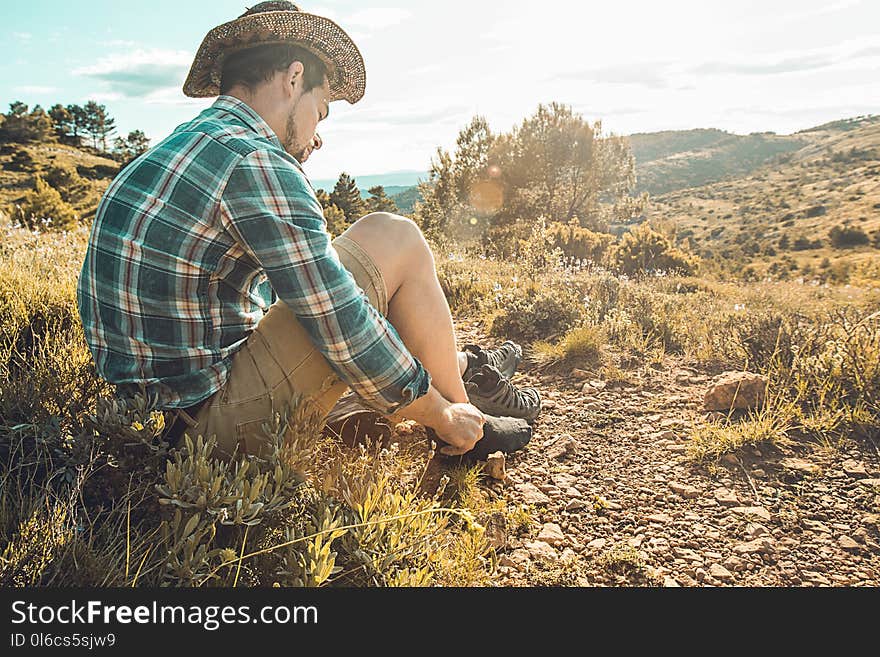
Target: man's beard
x=290, y=141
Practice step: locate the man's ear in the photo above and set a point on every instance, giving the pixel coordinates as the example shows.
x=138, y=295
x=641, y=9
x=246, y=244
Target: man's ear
x=294, y=74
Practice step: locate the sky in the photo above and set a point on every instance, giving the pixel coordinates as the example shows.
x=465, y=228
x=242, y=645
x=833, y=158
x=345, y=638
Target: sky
x=637, y=66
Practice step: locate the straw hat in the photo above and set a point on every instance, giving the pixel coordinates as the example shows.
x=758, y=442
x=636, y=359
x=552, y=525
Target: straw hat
x=276, y=23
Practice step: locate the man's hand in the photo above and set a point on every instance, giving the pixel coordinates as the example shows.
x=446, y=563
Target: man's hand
x=461, y=426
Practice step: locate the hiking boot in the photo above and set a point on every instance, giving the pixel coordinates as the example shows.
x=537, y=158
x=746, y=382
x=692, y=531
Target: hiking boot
x=500, y=434
x=504, y=358
x=493, y=394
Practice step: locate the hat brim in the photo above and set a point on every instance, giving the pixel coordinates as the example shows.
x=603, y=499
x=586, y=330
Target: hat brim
x=325, y=39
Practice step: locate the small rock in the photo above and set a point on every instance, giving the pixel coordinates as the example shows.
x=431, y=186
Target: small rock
x=754, y=530
x=551, y=533
x=580, y=374
x=854, y=469
x=816, y=578
x=597, y=384
x=507, y=562
x=548, y=404
x=757, y=546
x=669, y=582
x=847, y=543
x=531, y=495
x=685, y=490
x=597, y=543
x=816, y=526
x=726, y=497
x=870, y=483
x=541, y=550
x=661, y=518
x=756, y=511
x=495, y=466
x=799, y=465
x=720, y=572
x=574, y=505
x=735, y=390
x=734, y=563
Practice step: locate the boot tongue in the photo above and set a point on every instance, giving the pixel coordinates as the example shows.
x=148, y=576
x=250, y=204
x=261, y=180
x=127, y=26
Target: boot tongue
x=490, y=376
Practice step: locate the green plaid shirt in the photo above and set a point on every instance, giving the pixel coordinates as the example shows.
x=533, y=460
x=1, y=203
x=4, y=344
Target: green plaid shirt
x=191, y=244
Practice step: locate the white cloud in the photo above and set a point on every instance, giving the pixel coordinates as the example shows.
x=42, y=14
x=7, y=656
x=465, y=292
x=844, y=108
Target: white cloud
x=139, y=73
x=378, y=18
x=36, y=90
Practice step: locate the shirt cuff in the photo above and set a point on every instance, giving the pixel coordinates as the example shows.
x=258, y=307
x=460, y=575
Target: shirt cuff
x=418, y=387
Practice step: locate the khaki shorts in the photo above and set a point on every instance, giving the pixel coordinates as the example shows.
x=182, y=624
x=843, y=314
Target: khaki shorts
x=277, y=364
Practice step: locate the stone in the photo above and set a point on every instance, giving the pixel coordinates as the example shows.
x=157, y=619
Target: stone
x=816, y=526
x=597, y=543
x=495, y=466
x=854, y=469
x=755, y=511
x=757, y=546
x=542, y=550
x=685, y=490
x=847, y=543
x=660, y=518
x=574, y=505
x=754, y=530
x=799, y=465
x=720, y=572
x=734, y=563
x=597, y=384
x=870, y=483
x=551, y=533
x=531, y=495
x=670, y=582
x=561, y=448
x=726, y=497
x=736, y=390
x=580, y=374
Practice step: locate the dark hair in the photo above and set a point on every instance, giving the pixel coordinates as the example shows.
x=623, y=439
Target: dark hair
x=259, y=64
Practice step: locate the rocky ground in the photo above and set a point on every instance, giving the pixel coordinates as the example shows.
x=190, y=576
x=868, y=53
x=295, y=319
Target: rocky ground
x=613, y=500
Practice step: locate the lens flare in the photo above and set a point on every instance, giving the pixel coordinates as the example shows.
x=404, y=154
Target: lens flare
x=486, y=196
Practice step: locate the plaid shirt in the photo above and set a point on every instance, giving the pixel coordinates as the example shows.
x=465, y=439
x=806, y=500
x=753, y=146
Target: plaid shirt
x=191, y=244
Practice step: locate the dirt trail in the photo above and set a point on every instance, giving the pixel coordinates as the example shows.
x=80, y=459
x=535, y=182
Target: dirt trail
x=616, y=503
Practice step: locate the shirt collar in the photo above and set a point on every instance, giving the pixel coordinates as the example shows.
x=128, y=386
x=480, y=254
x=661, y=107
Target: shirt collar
x=248, y=115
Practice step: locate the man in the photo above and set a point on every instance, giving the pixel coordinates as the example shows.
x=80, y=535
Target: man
x=210, y=278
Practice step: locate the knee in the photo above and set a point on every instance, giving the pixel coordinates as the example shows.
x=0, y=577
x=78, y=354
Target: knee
x=395, y=229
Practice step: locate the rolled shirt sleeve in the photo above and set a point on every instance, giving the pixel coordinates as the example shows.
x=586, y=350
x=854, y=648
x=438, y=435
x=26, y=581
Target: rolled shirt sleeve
x=270, y=207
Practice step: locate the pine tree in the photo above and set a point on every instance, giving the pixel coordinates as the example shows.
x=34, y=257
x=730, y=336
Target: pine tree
x=380, y=202
x=61, y=120
x=347, y=197
x=78, y=123
x=125, y=149
x=99, y=124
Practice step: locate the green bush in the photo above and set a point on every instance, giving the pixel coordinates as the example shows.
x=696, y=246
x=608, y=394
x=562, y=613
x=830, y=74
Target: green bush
x=577, y=242
x=844, y=237
x=44, y=208
x=66, y=179
x=538, y=316
x=644, y=250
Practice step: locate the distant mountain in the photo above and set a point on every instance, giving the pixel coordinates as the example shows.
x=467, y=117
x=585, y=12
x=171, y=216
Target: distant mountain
x=390, y=180
x=672, y=160
x=779, y=216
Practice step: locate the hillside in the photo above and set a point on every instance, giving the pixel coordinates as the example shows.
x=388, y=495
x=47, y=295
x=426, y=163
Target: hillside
x=666, y=161
x=779, y=216
x=19, y=163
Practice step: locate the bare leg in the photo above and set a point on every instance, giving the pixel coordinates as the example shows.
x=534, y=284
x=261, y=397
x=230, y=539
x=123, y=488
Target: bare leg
x=417, y=307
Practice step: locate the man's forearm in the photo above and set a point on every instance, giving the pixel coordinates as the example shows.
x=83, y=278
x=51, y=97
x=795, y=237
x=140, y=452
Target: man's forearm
x=427, y=410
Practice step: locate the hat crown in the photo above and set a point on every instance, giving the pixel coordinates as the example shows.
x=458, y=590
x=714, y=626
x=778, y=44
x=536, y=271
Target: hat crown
x=272, y=5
